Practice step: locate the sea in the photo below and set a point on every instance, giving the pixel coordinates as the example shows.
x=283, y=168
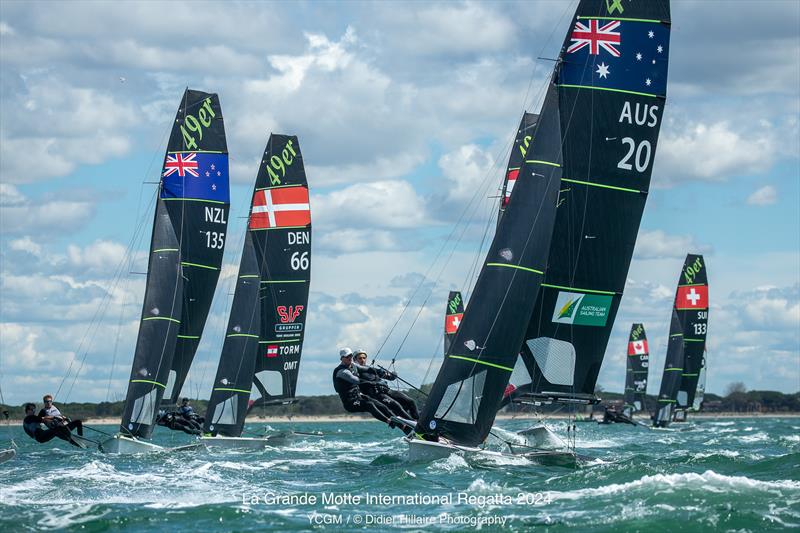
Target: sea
x=726, y=474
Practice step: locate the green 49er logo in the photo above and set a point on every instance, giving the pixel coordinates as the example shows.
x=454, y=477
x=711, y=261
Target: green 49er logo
x=581, y=309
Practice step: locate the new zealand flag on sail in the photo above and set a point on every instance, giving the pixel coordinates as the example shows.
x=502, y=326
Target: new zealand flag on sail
x=196, y=175
x=614, y=54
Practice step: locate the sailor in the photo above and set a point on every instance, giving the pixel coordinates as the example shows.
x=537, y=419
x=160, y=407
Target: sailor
x=53, y=418
x=187, y=412
x=398, y=397
x=36, y=428
x=346, y=384
x=176, y=422
x=373, y=384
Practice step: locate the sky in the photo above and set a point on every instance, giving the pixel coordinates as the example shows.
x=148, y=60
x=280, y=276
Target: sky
x=404, y=113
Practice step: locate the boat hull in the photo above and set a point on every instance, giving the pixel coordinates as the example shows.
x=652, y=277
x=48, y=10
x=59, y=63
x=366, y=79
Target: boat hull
x=423, y=450
x=7, y=455
x=120, y=444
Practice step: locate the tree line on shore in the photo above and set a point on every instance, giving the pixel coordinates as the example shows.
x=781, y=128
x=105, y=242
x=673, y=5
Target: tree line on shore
x=737, y=400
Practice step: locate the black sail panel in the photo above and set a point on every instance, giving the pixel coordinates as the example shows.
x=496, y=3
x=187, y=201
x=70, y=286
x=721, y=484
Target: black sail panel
x=522, y=143
x=280, y=223
x=691, y=304
x=671, y=380
x=612, y=89
x=230, y=394
x=469, y=387
x=197, y=141
x=452, y=317
x=637, y=368
x=198, y=199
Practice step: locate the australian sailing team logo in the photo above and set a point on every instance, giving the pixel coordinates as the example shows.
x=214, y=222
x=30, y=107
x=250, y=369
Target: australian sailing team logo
x=581, y=309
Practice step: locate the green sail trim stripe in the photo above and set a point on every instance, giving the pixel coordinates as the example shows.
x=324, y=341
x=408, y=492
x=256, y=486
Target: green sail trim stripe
x=588, y=291
x=677, y=335
x=514, y=168
x=668, y=401
x=673, y=369
x=608, y=89
x=543, y=162
x=278, y=342
x=162, y=318
x=280, y=186
x=166, y=250
x=194, y=200
x=198, y=152
x=623, y=19
x=188, y=336
x=602, y=186
x=250, y=276
x=280, y=227
x=501, y=367
x=148, y=381
x=242, y=335
x=693, y=340
x=515, y=266
x=232, y=390
x=184, y=263
x=694, y=285
x=690, y=375
x=639, y=371
x=285, y=281
x=689, y=309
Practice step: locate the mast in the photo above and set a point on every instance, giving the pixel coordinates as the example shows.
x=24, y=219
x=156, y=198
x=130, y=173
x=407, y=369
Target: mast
x=467, y=392
x=671, y=380
x=452, y=317
x=266, y=327
x=637, y=367
x=612, y=89
x=193, y=198
x=691, y=304
x=697, y=405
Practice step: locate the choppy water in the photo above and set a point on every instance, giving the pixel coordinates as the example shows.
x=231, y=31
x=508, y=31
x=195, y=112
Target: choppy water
x=725, y=474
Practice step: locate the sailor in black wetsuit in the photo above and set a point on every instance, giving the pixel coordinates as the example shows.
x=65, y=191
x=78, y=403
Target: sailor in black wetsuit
x=373, y=385
x=187, y=412
x=176, y=422
x=346, y=384
x=36, y=428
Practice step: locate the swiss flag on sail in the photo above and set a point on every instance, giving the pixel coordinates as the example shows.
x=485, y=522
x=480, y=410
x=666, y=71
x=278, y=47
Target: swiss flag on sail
x=452, y=322
x=637, y=347
x=280, y=207
x=692, y=297
x=272, y=350
x=510, y=182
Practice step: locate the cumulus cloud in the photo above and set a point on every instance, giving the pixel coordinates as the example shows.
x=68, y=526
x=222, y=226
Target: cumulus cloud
x=766, y=195
x=50, y=216
x=658, y=244
x=381, y=204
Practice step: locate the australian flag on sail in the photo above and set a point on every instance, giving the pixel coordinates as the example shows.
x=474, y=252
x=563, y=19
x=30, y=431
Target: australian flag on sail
x=617, y=54
x=198, y=175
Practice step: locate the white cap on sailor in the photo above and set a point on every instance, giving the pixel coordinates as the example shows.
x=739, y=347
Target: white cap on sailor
x=344, y=352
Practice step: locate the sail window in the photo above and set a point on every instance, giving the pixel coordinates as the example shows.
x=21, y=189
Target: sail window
x=272, y=380
x=225, y=412
x=144, y=408
x=556, y=359
x=683, y=397
x=462, y=399
x=170, y=384
x=520, y=376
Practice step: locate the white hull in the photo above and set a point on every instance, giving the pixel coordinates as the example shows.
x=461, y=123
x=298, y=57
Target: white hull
x=423, y=450
x=235, y=442
x=125, y=445
x=7, y=455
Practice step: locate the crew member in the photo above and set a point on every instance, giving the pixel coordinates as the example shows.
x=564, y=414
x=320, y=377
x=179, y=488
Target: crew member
x=176, y=422
x=373, y=384
x=52, y=416
x=187, y=412
x=406, y=403
x=346, y=384
x=36, y=428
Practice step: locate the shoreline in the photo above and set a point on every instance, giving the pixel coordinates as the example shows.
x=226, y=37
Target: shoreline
x=503, y=416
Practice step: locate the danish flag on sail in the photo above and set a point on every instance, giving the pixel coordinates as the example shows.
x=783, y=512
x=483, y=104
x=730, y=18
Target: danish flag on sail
x=281, y=207
x=637, y=347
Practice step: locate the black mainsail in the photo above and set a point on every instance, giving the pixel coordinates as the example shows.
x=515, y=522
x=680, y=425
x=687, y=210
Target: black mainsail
x=185, y=256
x=671, y=380
x=452, y=317
x=522, y=143
x=264, y=340
x=612, y=81
x=467, y=392
x=637, y=368
x=691, y=304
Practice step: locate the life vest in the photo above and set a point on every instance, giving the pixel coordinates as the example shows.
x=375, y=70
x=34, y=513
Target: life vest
x=348, y=392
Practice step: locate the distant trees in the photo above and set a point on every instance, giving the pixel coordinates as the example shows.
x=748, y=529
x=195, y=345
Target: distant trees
x=735, y=387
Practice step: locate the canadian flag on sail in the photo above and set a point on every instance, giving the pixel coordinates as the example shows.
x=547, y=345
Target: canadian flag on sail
x=281, y=207
x=637, y=347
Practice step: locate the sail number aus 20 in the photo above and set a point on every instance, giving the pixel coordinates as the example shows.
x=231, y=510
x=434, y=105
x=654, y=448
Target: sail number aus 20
x=196, y=124
x=638, y=154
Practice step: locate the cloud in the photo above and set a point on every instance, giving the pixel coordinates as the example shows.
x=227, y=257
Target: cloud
x=349, y=241
x=766, y=195
x=657, y=244
x=50, y=216
x=381, y=204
